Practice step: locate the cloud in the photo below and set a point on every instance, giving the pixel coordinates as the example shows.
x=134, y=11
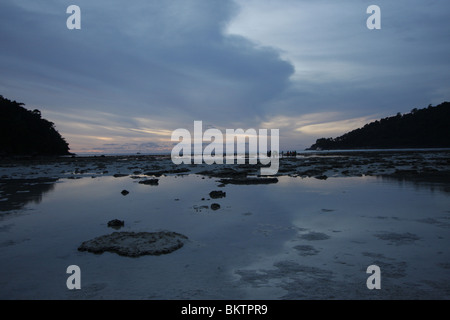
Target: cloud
x=334, y=128
x=128, y=148
x=148, y=58
x=164, y=60
x=136, y=71
x=301, y=131
x=341, y=65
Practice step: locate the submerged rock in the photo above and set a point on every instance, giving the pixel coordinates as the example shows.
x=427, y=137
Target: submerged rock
x=159, y=173
x=135, y=244
x=313, y=236
x=120, y=175
x=224, y=173
x=116, y=223
x=200, y=208
x=249, y=181
x=217, y=194
x=398, y=238
x=215, y=206
x=151, y=182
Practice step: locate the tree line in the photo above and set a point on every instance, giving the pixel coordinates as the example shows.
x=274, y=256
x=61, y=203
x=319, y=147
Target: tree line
x=25, y=132
x=421, y=128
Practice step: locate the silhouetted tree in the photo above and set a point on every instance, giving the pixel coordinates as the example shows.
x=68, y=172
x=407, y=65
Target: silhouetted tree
x=24, y=132
x=424, y=128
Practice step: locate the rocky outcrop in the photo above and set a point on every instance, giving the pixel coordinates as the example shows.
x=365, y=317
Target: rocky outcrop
x=116, y=224
x=249, y=181
x=151, y=182
x=217, y=194
x=135, y=244
x=215, y=206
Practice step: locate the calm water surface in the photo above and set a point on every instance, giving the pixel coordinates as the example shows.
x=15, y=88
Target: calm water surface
x=297, y=239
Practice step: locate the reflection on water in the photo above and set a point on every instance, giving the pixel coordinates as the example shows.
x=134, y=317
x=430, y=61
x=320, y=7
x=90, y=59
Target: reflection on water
x=16, y=193
x=432, y=183
x=296, y=239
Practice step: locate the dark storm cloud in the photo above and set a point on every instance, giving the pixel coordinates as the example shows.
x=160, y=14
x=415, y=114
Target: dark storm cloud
x=141, y=59
x=137, y=70
x=340, y=62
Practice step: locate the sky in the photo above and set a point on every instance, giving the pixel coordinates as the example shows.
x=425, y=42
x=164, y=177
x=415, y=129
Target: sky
x=138, y=70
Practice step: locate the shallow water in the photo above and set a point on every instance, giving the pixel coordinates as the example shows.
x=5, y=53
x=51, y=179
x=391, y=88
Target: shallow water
x=297, y=239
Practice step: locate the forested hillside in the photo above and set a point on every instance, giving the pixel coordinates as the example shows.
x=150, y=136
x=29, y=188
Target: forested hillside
x=423, y=128
x=25, y=132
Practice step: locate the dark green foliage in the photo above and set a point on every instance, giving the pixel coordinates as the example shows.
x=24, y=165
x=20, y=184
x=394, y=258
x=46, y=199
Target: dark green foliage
x=424, y=128
x=24, y=132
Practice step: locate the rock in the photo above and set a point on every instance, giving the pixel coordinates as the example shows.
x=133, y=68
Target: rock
x=151, y=182
x=154, y=173
x=311, y=173
x=200, y=208
x=217, y=194
x=215, y=206
x=224, y=173
x=135, y=244
x=167, y=171
x=120, y=175
x=314, y=236
x=398, y=238
x=248, y=181
x=125, y=192
x=116, y=223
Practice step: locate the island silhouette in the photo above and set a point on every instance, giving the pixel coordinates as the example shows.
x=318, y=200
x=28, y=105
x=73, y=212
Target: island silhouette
x=25, y=132
x=421, y=128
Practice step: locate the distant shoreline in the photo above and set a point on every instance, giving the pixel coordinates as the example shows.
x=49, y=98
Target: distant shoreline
x=299, y=153
x=306, y=151
x=411, y=164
